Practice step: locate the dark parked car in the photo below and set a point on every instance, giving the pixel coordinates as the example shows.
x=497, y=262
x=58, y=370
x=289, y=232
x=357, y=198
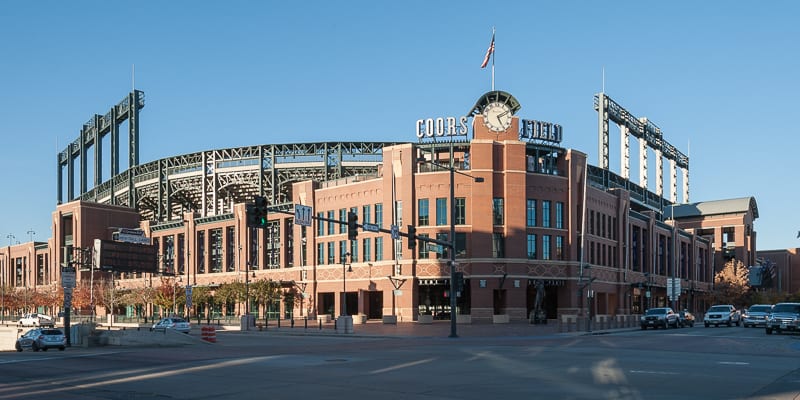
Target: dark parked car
x=659, y=317
x=685, y=318
x=42, y=339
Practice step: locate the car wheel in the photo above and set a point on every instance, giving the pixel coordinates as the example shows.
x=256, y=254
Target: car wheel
x=34, y=346
x=769, y=331
x=44, y=348
x=706, y=324
x=644, y=328
x=61, y=348
x=18, y=347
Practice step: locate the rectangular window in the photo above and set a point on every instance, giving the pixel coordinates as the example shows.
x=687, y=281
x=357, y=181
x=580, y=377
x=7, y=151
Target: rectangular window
x=366, y=214
x=559, y=247
x=441, y=211
x=379, y=214
x=254, y=249
x=461, y=211
x=498, y=211
x=398, y=212
x=423, y=213
x=498, y=245
x=331, y=224
x=559, y=215
x=530, y=213
x=545, y=247
x=354, y=250
x=422, y=247
x=216, y=250
x=331, y=253
x=230, y=249
x=461, y=244
x=378, y=249
x=342, y=217
x=342, y=249
x=445, y=251
x=545, y=214
x=366, y=244
x=531, y=246
x=320, y=253
x=201, y=252
x=320, y=224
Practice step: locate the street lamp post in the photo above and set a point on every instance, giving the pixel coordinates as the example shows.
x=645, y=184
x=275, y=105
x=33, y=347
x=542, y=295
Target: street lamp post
x=452, y=262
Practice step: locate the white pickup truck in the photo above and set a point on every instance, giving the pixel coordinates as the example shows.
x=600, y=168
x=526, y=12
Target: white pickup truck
x=725, y=314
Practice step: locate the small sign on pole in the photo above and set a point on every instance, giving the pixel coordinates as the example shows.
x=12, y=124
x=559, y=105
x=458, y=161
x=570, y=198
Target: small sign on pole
x=302, y=215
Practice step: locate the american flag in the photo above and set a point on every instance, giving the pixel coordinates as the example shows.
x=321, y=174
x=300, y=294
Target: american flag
x=489, y=53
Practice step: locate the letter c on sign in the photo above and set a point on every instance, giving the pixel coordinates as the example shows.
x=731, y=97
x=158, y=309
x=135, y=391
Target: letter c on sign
x=420, y=124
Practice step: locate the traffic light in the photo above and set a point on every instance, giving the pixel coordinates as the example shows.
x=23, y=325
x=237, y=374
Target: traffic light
x=352, y=225
x=257, y=213
x=412, y=237
x=459, y=282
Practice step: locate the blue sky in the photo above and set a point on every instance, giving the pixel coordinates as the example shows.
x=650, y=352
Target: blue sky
x=718, y=77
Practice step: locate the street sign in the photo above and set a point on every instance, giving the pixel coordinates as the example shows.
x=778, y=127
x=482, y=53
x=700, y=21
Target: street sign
x=302, y=215
x=67, y=278
x=189, y=296
x=395, y=232
x=370, y=227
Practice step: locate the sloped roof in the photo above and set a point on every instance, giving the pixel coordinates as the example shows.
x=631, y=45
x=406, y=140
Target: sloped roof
x=716, y=207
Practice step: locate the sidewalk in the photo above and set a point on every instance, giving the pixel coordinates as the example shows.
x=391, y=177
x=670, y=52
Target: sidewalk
x=436, y=329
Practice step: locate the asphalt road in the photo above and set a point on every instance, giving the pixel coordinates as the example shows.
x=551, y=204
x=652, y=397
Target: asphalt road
x=689, y=363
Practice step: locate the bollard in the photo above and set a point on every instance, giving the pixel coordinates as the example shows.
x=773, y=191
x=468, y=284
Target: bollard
x=279, y=321
x=305, y=323
x=292, y=323
x=320, y=324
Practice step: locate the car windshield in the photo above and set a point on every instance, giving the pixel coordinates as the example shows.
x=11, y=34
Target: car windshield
x=178, y=320
x=52, y=332
x=759, y=308
x=719, y=309
x=656, y=311
x=786, y=308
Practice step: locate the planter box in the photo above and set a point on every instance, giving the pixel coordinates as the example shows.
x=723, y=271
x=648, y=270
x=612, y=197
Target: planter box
x=425, y=319
x=324, y=318
x=390, y=319
x=500, y=319
x=463, y=319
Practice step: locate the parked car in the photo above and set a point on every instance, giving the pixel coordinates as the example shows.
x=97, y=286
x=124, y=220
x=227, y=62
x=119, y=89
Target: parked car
x=42, y=339
x=756, y=315
x=722, y=314
x=36, y=319
x=173, y=323
x=685, y=318
x=784, y=317
x=659, y=317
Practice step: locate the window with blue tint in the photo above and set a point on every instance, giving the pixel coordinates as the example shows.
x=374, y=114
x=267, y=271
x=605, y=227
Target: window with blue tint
x=379, y=214
x=531, y=246
x=530, y=213
x=423, y=218
x=342, y=217
x=320, y=253
x=545, y=247
x=559, y=215
x=546, y=213
x=331, y=224
x=378, y=249
x=366, y=245
x=366, y=214
x=441, y=211
x=559, y=247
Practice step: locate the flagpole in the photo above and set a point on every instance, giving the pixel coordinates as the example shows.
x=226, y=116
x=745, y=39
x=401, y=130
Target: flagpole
x=493, y=51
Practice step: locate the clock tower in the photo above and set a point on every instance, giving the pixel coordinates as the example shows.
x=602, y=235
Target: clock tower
x=494, y=117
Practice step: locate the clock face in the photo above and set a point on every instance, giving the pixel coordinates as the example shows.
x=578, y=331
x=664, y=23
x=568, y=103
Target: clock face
x=497, y=117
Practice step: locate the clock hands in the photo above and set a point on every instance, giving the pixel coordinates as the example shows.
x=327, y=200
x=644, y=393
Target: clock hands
x=502, y=114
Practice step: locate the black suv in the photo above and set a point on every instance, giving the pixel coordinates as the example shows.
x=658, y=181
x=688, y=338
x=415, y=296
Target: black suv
x=784, y=317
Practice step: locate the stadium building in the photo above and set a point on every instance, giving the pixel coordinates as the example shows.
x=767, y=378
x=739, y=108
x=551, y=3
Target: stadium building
x=489, y=198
